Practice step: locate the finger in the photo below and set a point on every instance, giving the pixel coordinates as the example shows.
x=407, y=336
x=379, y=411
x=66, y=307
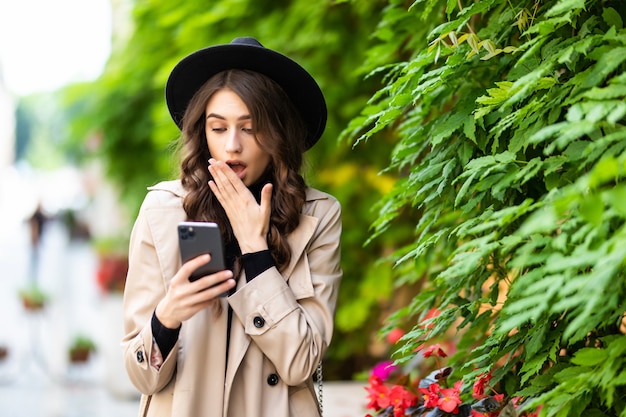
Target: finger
x=191, y=265
x=223, y=196
x=211, y=286
x=228, y=187
x=210, y=280
x=220, y=185
x=219, y=289
x=266, y=198
x=219, y=171
x=225, y=176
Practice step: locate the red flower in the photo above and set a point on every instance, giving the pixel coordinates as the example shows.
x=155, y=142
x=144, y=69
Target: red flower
x=479, y=385
x=378, y=393
x=401, y=399
x=394, y=335
x=381, y=397
x=111, y=273
x=434, y=350
x=451, y=399
x=431, y=395
x=432, y=313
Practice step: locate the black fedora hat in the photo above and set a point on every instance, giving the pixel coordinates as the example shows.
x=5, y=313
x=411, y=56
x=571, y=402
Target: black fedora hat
x=248, y=54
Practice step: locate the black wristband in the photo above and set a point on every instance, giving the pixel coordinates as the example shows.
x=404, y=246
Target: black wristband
x=165, y=337
x=256, y=263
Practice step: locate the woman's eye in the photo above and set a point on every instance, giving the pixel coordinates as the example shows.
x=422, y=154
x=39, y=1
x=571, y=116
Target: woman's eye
x=218, y=129
x=247, y=130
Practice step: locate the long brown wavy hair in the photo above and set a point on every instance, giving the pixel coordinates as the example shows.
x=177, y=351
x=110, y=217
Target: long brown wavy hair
x=279, y=131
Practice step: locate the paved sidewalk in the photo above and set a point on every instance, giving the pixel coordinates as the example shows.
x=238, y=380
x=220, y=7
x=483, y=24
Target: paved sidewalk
x=36, y=379
x=41, y=398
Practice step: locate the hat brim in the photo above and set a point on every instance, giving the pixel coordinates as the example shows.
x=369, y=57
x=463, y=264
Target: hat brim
x=195, y=69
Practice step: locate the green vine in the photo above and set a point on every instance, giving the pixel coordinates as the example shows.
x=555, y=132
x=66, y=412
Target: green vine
x=514, y=162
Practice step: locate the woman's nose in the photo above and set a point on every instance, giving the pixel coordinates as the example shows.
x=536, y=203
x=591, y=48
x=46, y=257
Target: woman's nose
x=233, y=143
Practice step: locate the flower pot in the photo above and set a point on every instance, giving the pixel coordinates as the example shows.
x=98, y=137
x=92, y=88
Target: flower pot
x=79, y=355
x=4, y=353
x=32, y=305
x=33, y=298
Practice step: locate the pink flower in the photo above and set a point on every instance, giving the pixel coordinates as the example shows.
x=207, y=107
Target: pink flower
x=383, y=370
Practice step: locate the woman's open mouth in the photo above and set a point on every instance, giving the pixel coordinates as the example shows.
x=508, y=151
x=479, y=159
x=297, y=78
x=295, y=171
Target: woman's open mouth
x=238, y=168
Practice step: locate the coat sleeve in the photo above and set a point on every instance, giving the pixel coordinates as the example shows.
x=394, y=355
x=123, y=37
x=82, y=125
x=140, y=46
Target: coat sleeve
x=145, y=287
x=291, y=326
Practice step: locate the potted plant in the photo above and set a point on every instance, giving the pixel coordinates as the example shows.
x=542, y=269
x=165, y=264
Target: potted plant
x=81, y=348
x=112, y=264
x=33, y=298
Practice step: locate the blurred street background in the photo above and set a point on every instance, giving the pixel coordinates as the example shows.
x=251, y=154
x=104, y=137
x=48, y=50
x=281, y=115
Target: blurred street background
x=36, y=375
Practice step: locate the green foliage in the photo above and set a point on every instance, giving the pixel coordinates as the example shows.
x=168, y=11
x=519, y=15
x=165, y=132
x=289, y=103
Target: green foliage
x=82, y=342
x=40, y=130
x=34, y=294
x=510, y=118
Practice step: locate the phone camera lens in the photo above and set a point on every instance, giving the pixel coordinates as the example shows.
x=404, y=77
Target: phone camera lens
x=190, y=232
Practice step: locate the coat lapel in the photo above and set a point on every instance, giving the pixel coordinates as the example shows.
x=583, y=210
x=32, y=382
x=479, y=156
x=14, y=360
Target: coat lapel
x=299, y=239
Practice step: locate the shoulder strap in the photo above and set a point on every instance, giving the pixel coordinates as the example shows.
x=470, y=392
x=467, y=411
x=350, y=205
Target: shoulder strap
x=320, y=388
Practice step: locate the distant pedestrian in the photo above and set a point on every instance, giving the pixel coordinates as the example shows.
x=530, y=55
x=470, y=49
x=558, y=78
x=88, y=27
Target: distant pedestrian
x=36, y=223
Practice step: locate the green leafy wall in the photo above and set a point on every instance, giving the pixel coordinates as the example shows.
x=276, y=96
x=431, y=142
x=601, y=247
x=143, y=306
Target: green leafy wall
x=510, y=118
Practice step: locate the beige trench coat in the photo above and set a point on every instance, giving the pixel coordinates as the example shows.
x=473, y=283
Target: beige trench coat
x=282, y=324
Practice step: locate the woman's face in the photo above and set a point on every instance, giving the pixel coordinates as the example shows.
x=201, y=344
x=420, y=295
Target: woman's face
x=230, y=136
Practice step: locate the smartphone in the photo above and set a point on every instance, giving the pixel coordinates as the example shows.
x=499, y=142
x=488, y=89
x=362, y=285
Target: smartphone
x=198, y=238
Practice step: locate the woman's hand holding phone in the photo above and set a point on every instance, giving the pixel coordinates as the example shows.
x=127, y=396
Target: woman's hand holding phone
x=185, y=298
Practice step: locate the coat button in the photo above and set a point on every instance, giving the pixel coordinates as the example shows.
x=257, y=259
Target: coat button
x=272, y=379
x=140, y=356
x=258, y=322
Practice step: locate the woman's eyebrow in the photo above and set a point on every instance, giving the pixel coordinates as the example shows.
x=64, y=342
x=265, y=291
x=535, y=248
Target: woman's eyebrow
x=217, y=116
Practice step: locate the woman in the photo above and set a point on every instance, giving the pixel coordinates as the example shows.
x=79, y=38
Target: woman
x=247, y=115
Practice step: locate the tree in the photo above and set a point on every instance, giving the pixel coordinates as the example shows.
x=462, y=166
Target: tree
x=510, y=118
